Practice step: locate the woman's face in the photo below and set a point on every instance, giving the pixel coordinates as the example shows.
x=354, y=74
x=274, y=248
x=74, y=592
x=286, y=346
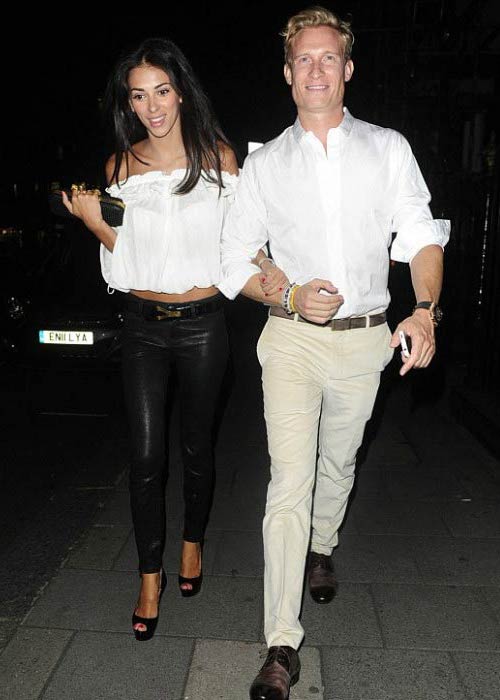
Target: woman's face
x=154, y=100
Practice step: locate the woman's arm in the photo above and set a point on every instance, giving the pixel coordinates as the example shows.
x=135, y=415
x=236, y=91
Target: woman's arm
x=86, y=206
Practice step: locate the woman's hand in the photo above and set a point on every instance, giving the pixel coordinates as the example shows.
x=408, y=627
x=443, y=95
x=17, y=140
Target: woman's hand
x=272, y=279
x=86, y=206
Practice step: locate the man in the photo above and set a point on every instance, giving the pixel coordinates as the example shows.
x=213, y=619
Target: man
x=326, y=195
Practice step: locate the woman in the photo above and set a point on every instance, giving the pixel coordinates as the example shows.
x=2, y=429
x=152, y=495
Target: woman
x=175, y=172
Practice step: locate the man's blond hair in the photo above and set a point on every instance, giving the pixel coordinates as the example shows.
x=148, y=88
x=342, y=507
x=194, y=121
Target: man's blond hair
x=316, y=16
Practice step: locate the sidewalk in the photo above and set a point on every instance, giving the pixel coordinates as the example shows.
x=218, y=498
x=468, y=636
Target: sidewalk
x=417, y=615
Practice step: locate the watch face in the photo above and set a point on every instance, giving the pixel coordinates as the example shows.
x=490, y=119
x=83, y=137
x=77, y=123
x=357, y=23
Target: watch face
x=438, y=314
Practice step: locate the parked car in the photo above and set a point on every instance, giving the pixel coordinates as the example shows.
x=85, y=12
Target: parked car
x=55, y=308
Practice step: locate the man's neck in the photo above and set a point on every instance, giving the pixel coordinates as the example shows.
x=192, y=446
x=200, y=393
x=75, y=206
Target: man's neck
x=320, y=123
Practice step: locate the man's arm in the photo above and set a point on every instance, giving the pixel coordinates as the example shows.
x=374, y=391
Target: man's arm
x=244, y=234
x=310, y=304
x=427, y=278
x=427, y=274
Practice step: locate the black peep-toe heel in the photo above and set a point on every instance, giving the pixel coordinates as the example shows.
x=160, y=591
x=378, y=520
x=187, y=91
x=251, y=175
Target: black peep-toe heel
x=195, y=582
x=150, y=623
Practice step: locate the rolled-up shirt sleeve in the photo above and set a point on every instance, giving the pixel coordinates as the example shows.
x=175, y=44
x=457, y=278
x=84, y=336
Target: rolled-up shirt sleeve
x=244, y=233
x=411, y=216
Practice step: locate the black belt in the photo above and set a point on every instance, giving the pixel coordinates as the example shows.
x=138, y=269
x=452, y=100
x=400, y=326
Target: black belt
x=158, y=311
x=336, y=324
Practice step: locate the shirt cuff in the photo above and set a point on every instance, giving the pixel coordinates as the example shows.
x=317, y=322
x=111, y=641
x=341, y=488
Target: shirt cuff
x=232, y=284
x=409, y=242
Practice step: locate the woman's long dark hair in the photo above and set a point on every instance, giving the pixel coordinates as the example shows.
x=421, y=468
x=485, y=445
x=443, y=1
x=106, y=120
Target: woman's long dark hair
x=200, y=130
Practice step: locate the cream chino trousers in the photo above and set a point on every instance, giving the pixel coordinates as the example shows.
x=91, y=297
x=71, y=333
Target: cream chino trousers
x=319, y=389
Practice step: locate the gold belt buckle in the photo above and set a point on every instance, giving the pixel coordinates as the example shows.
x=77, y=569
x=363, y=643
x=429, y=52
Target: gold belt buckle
x=167, y=313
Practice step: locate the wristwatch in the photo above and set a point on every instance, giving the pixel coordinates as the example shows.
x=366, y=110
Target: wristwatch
x=434, y=310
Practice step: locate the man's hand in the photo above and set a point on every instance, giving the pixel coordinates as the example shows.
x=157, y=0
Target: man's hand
x=316, y=307
x=420, y=329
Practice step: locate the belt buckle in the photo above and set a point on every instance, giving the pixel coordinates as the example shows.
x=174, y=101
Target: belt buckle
x=167, y=313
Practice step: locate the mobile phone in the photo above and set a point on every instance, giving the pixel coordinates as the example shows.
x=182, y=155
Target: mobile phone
x=405, y=343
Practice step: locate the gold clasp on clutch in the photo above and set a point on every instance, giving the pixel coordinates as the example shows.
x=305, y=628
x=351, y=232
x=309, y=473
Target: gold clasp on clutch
x=167, y=313
x=81, y=188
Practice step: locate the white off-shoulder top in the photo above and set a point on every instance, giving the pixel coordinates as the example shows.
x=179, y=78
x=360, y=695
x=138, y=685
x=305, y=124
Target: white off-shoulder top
x=168, y=243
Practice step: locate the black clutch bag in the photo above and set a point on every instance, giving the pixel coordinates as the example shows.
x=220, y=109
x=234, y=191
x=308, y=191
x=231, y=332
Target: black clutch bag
x=112, y=208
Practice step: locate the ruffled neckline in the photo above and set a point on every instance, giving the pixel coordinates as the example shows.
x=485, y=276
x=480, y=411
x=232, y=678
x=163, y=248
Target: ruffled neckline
x=158, y=175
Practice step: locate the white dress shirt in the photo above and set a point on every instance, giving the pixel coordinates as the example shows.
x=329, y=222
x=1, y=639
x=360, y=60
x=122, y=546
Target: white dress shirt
x=331, y=214
x=168, y=242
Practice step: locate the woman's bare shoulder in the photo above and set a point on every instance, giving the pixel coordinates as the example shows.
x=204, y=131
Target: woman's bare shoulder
x=111, y=177
x=132, y=164
x=228, y=159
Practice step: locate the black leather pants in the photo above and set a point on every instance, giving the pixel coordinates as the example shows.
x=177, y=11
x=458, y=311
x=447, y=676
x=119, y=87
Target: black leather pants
x=197, y=349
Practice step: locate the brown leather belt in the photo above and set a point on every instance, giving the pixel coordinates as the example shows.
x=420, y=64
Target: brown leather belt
x=336, y=324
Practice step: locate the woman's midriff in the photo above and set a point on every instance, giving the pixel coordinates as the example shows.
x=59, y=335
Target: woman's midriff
x=193, y=294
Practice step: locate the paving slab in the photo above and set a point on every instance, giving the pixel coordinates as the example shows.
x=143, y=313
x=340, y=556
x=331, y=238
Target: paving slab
x=370, y=483
x=349, y=620
x=116, y=510
x=492, y=595
x=480, y=674
x=377, y=517
x=238, y=511
x=387, y=454
x=474, y=519
x=376, y=558
x=444, y=437
x=481, y=482
x=223, y=670
x=226, y=607
x=424, y=485
x=348, y=527
x=389, y=674
x=239, y=554
x=106, y=666
x=99, y=548
x=127, y=559
x=436, y=617
x=8, y=625
x=252, y=480
x=28, y=661
x=253, y=458
x=86, y=600
x=461, y=562
x=387, y=430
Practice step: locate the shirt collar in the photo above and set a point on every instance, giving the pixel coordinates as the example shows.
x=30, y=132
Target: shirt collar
x=344, y=128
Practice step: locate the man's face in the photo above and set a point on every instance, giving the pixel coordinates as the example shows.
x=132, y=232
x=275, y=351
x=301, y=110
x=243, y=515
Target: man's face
x=318, y=72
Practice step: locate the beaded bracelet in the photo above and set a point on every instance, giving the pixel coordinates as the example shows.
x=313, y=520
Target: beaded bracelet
x=287, y=298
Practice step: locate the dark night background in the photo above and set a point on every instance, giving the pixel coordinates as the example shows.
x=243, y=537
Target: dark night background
x=427, y=68
x=424, y=68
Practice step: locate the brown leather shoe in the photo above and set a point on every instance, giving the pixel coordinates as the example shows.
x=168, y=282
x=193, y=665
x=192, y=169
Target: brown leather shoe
x=321, y=577
x=281, y=670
